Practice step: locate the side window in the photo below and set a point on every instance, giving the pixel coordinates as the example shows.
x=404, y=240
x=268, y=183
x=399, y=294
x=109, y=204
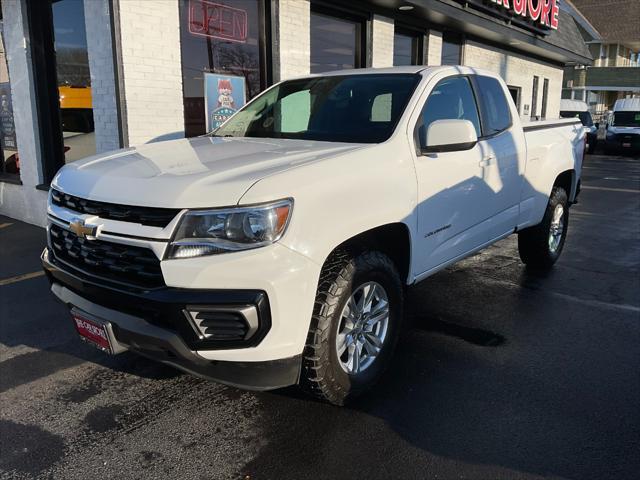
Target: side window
x=451, y=99
x=496, y=115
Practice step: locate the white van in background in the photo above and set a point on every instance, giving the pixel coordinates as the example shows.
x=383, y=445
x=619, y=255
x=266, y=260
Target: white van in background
x=623, y=127
x=580, y=109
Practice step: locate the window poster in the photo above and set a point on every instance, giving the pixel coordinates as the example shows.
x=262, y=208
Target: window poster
x=224, y=96
x=7, y=129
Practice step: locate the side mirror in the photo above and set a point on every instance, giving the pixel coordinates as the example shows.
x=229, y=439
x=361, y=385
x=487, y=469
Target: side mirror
x=597, y=125
x=449, y=136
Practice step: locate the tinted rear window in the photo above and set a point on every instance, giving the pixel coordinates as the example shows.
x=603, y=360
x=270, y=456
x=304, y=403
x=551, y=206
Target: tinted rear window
x=585, y=117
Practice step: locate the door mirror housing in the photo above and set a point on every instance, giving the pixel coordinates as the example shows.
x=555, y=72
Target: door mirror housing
x=449, y=136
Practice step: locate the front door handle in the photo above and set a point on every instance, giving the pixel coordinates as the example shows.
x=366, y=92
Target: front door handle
x=486, y=161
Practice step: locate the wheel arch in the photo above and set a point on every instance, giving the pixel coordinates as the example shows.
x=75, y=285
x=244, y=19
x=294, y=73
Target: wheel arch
x=392, y=239
x=567, y=181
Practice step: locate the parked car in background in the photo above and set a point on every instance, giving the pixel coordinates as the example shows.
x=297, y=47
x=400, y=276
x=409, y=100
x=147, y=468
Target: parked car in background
x=580, y=109
x=275, y=250
x=623, y=127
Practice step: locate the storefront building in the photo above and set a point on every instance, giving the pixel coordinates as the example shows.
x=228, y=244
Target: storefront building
x=79, y=77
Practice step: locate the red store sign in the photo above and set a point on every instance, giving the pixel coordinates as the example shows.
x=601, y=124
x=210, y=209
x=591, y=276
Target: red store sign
x=545, y=12
x=214, y=20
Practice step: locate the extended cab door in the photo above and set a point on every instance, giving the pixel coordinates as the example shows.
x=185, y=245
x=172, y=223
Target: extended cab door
x=504, y=154
x=453, y=197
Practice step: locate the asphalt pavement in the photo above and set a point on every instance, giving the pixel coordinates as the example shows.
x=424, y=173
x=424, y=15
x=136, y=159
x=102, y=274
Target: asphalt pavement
x=504, y=374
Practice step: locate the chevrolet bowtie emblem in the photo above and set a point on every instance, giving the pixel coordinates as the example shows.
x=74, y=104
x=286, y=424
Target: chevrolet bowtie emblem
x=82, y=230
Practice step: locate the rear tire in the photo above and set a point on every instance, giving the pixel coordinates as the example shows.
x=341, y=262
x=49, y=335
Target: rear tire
x=340, y=330
x=540, y=246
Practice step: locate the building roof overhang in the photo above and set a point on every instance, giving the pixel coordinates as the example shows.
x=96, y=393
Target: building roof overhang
x=464, y=17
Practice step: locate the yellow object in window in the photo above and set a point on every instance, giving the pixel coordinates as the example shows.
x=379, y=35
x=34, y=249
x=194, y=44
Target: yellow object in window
x=75, y=97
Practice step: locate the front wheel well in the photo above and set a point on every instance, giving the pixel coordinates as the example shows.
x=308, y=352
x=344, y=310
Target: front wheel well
x=393, y=239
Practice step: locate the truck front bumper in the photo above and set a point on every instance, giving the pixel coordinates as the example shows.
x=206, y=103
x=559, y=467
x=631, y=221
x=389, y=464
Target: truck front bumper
x=153, y=323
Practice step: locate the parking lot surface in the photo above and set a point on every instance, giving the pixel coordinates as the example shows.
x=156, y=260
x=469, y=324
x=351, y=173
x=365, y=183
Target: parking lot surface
x=504, y=374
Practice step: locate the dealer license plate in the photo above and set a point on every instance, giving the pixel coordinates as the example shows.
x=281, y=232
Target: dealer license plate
x=92, y=330
x=626, y=145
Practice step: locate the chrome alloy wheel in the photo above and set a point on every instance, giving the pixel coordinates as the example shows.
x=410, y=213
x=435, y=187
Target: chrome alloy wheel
x=362, y=329
x=557, y=228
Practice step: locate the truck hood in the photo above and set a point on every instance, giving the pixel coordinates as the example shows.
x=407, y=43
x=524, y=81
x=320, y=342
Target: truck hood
x=189, y=173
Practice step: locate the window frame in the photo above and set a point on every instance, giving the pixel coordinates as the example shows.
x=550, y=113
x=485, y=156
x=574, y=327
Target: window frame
x=45, y=90
x=362, y=28
x=533, y=112
x=462, y=38
x=519, y=102
x=417, y=42
x=418, y=121
x=482, y=108
x=545, y=98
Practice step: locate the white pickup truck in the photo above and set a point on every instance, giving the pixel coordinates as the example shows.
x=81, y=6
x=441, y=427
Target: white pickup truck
x=275, y=250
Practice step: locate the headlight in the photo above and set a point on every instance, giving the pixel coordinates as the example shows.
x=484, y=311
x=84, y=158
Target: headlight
x=208, y=232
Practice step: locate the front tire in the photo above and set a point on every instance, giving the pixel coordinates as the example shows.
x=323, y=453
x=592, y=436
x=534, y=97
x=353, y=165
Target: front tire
x=354, y=327
x=540, y=246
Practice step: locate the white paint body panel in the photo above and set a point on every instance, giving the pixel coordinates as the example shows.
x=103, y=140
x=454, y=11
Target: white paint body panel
x=340, y=190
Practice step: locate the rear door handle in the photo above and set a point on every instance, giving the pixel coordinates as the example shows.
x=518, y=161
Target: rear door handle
x=486, y=161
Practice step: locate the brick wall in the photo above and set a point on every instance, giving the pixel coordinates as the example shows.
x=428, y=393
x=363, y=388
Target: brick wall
x=103, y=92
x=292, y=39
x=518, y=71
x=382, y=42
x=23, y=202
x=152, y=71
x=434, y=48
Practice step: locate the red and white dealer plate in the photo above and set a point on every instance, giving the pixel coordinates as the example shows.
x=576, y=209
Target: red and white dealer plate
x=92, y=330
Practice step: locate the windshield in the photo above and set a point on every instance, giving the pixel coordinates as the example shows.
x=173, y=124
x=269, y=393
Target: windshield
x=626, y=119
x=585, y=117
x=348, y=108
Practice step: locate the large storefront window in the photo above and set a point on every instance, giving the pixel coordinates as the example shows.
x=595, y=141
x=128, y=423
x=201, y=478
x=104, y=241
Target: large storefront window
x=336, y=43
x=9, y=158
x=221, y=59
x=74, y=79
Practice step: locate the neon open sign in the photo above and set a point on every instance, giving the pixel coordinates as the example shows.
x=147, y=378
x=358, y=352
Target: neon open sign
x=545, y=12
x=213, y=20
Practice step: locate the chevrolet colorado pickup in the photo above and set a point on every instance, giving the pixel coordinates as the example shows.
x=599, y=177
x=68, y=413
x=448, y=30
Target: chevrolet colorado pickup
x=276, y=249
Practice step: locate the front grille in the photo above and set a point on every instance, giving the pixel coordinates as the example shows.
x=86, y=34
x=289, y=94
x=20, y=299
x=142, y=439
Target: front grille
x=122, y=263
x=151, y=216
